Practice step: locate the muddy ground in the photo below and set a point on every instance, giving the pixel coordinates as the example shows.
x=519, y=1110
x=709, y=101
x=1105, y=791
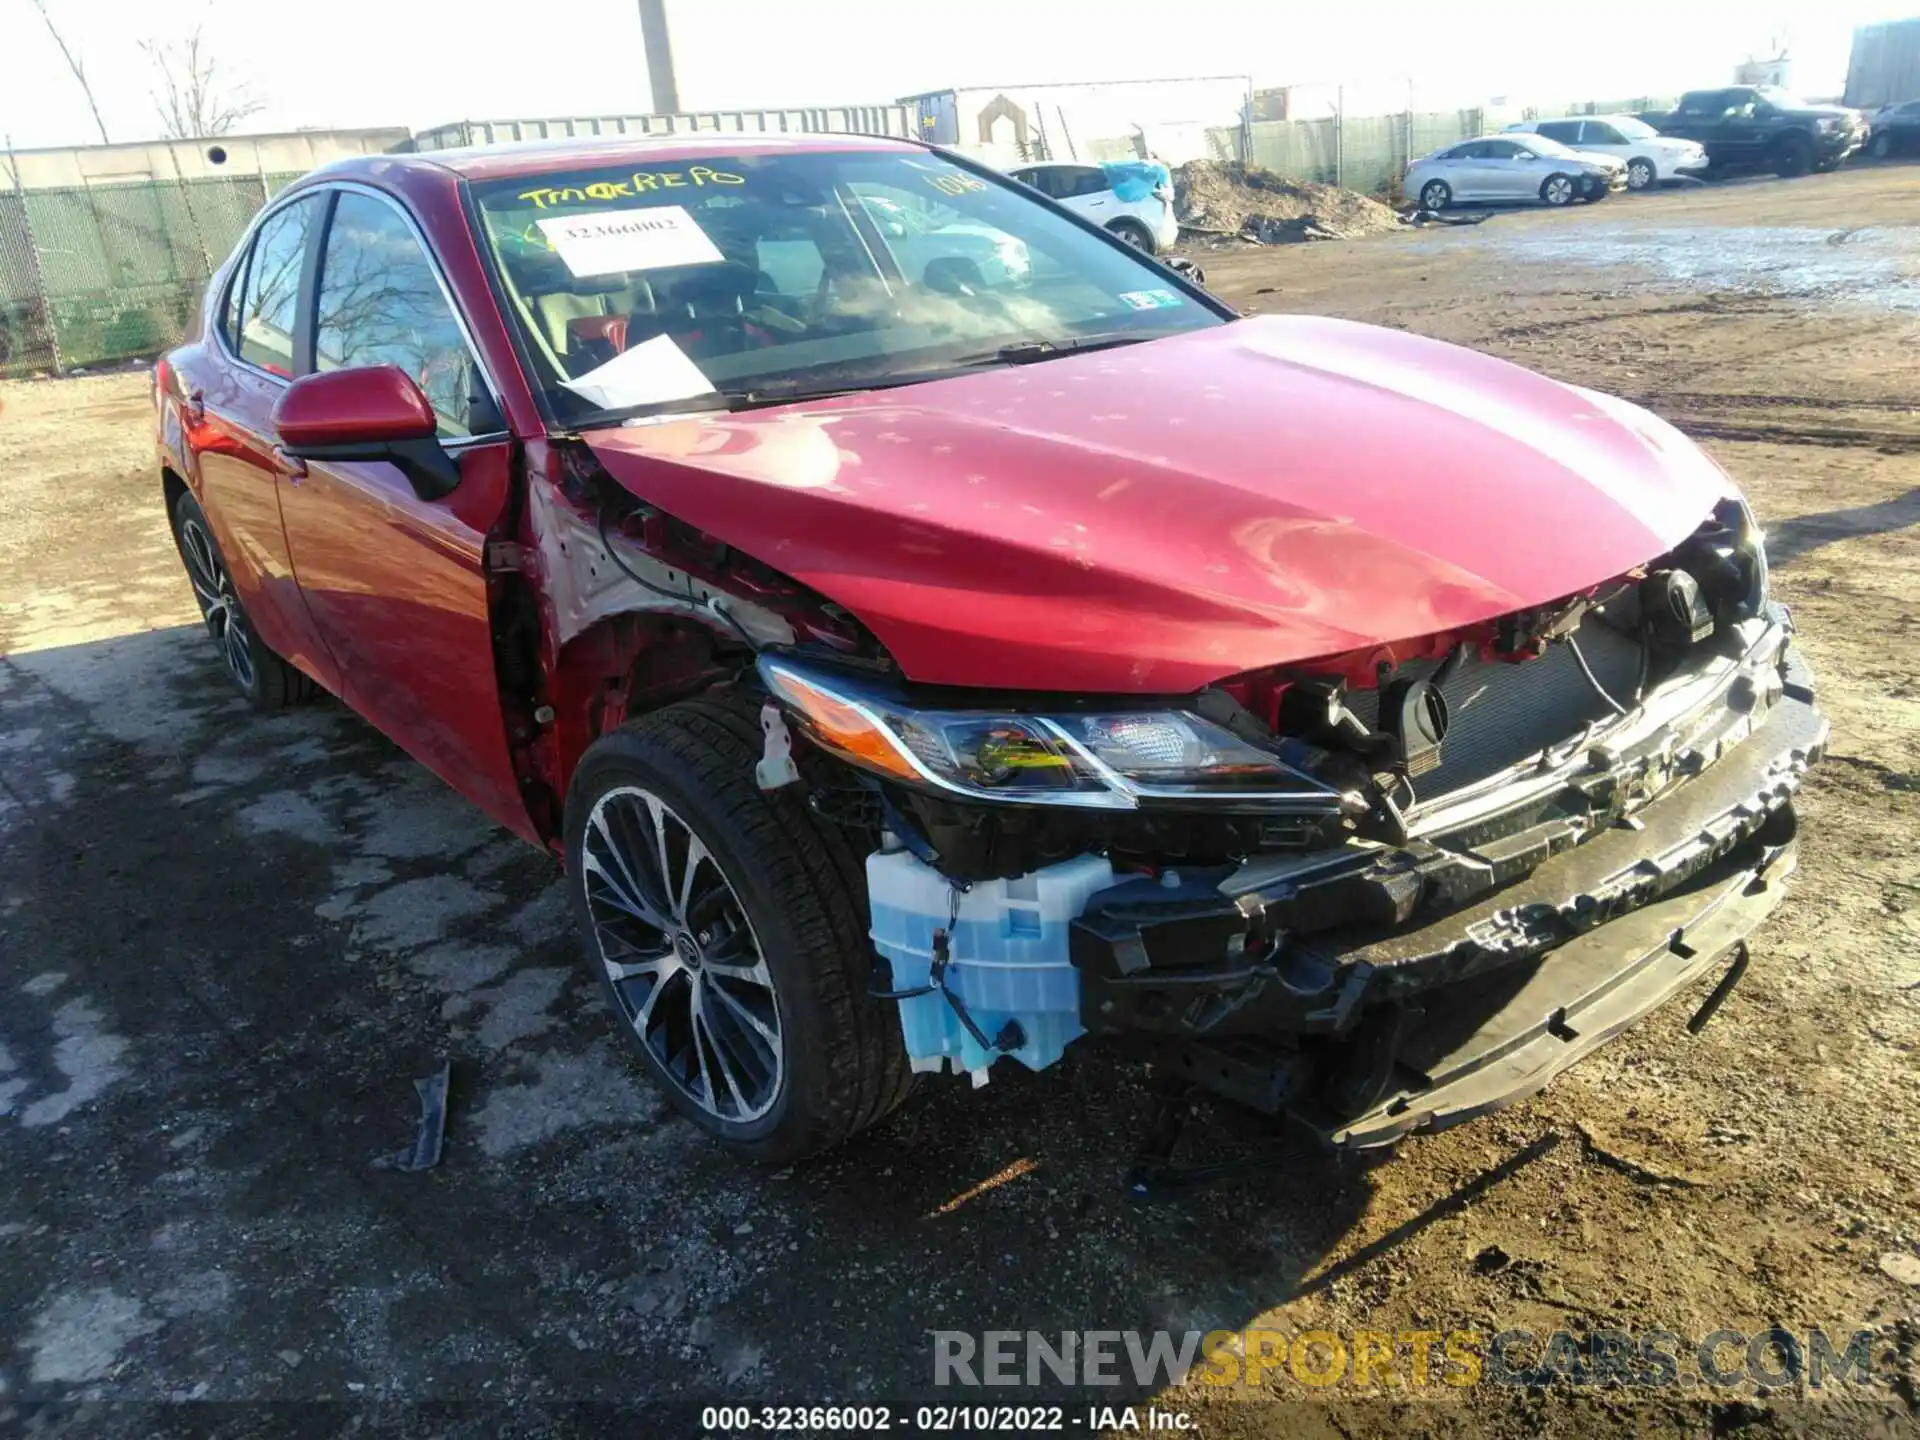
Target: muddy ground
x=228, y=945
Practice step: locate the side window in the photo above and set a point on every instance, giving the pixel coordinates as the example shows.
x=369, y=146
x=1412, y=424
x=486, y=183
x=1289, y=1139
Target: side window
x=381, y=304
x=1046, y=179
x=269, y=300
x=1499, y=150
x=1567, y=132
x=1469, y=151
x=229, y=318
x=1085, y=180
x=1598, y=132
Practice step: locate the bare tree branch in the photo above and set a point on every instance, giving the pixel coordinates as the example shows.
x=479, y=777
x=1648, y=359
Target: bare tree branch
x=194, y=100
x=73, y=64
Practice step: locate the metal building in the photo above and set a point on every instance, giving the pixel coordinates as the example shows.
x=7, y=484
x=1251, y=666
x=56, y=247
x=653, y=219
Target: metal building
x=1885, y=67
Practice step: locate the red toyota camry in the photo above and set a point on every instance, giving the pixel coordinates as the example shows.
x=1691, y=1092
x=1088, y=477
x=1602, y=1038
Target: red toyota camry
x=932, y=633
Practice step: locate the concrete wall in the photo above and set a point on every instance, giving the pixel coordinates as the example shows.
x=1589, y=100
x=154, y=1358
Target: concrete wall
x=1004, y=125
x=296, y=152
x=1764, y=72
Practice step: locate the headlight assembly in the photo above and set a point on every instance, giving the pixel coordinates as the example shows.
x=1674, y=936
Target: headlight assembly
x=1104, y=759
x=1753, y=544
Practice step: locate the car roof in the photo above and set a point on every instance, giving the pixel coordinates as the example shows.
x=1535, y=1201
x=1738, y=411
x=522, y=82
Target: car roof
x=540, y=157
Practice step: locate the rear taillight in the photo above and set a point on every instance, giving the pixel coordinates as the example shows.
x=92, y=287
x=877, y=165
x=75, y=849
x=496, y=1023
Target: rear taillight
x=161, y=377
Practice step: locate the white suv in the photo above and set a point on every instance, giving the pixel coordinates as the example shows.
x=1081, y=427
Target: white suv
x=1146, y=223
x=1650, y=157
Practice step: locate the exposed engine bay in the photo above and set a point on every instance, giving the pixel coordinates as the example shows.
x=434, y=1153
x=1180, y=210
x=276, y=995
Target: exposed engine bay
x=1370, y=746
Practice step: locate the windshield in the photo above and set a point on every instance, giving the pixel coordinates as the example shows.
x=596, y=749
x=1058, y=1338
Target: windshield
x=754, y=279
x=1631, y=128
x=1541, y=145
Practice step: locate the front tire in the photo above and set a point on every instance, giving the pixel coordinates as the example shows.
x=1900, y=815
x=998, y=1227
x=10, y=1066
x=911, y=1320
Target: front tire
x=1640, y=174
x=269, y=682
x=1436, y=195
x=727, y=926
x=1793, y=157
x=1135, y=234
x=1557, y=190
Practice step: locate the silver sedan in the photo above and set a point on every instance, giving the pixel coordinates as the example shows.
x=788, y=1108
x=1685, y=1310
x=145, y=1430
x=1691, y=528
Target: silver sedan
x=1512, y=168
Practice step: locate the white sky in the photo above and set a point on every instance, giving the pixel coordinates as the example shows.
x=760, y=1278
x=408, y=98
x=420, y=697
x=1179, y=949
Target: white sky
x=341, y=63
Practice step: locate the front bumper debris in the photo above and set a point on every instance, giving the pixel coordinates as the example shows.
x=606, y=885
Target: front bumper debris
x=1492, y=1042
x=1632, y=878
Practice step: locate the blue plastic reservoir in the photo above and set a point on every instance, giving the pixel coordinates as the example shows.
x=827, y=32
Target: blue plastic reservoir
x=1007, y=957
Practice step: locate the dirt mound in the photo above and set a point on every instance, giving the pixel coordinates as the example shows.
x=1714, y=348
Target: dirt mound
x=1226, y=198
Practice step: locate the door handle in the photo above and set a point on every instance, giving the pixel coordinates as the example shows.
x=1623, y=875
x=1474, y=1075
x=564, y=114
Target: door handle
x=291, y=466
x=196, y=405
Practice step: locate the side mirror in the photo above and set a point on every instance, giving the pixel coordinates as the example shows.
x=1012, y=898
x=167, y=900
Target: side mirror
x=372, y=413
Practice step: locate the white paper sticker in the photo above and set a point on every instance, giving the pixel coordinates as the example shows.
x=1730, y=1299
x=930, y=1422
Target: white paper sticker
x=649, y=374
x=610, y=242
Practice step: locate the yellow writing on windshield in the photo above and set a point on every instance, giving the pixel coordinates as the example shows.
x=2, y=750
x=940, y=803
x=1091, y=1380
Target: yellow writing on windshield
x=697, y=176
x=956, y=184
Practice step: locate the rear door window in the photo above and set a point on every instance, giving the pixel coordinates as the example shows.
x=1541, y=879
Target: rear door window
x=1567, y=132
x=381, y=304
x=1078, y=180
x=1047, y=179
x=1598, y=132
x=269, y=301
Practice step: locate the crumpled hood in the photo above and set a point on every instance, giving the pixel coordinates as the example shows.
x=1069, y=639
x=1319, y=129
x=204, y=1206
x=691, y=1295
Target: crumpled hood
x=1153, y=518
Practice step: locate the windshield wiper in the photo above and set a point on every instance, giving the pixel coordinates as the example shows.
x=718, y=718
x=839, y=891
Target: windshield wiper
x=1027, y=352
x=1020, y=352
x=736, y=400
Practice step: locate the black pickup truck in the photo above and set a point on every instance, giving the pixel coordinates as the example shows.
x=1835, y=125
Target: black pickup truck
x=1765, y=128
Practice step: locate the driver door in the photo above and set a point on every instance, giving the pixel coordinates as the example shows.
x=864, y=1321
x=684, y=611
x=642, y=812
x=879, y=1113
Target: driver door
x=1509, y=171
x=396, y=584
x=1743, y=128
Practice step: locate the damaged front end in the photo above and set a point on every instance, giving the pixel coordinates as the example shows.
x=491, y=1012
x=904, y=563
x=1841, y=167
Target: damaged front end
x=1380, y=891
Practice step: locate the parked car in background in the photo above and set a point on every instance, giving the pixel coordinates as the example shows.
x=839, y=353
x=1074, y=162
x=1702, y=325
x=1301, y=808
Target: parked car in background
x=902, y=690
x=1765, y=128
x=1895, y=130
x=1649, y=156
x=1132, y=199
x=1512, y=168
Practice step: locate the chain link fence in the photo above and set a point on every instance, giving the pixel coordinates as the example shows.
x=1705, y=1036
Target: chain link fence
x=102, y=273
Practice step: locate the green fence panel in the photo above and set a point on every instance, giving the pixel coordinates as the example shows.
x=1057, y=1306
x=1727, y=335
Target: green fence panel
x=117, y=271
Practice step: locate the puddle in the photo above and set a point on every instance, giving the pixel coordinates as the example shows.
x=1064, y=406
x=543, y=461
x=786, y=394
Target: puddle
x=1874, y=266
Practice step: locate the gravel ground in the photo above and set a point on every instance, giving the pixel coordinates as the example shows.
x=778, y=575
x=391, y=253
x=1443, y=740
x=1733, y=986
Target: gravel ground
x=228, y=945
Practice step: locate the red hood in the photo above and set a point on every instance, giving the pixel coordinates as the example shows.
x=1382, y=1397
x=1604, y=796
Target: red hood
x=1156, y=517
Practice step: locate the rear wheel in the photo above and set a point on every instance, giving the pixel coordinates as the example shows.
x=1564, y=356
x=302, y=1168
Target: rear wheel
x=1641, y=174
x=727, y=926
x=1134, y=233
x=1882, y=146
x=1557, y=190
x=262, y=676
x=1793, y=156
x=1436, y=195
